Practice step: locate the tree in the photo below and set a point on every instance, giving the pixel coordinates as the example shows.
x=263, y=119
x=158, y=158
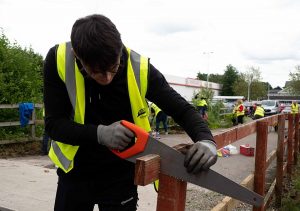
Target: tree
x=20, y=73
x=294, y=84
x=216, y=78
x=229, y=78
x=239, y=87
x=251, y=75
x=202, y=76
x=258, y=89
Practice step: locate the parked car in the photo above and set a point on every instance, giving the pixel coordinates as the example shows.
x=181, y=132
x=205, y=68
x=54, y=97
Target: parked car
x=271, y=107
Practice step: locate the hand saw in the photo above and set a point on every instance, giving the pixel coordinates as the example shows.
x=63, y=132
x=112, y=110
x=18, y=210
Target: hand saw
x=172, y=164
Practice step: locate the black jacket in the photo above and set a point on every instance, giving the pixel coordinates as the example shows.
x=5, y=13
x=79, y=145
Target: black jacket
x=105, y=105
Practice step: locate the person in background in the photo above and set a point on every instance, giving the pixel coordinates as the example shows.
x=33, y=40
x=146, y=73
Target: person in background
x=46, y=139
x=259, y=111
x=294, y=107
x=90, y=85
x=160, y=116
x=201, y=106
x=239, y=112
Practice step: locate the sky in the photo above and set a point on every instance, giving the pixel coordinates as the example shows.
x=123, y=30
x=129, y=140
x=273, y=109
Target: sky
x=181, y=38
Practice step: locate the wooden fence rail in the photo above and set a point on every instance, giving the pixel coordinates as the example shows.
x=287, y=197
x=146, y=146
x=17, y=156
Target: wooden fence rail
x=172, y=192
x=285, y=154
x=33, y=122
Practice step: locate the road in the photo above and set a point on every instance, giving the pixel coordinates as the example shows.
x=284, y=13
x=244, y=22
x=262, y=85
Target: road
x=28, y=184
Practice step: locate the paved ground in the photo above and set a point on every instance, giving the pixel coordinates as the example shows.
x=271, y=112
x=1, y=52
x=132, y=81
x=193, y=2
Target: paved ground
x=27, y=184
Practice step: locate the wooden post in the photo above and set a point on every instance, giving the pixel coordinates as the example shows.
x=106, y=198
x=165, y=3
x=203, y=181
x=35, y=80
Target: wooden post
x=279, y=170
x=172, y=191
x=33, y=118
x=296, y=139
x=290, y=145
x=171, y=194
x=260, y=160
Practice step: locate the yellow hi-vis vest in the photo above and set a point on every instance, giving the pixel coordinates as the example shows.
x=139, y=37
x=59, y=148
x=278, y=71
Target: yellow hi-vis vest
x=238, y=112
x=294, y=108
x=156, y=108
x=137, y=79
x=201, y=103
x=259, y=111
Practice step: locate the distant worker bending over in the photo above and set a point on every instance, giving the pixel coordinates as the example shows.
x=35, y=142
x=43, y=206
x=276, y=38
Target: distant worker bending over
x=160, y=116
x=259, y=111
x=90, y=84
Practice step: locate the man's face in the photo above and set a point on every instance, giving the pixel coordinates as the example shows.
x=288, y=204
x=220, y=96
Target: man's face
x=102, y=77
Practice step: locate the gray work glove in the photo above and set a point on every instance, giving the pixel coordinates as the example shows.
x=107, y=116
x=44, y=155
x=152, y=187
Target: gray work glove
x=114, y=136
x=200, y=156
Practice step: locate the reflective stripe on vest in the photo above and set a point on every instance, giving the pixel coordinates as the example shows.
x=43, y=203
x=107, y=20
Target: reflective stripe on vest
x=259, y=111
x=137, y=80
x=63, y=154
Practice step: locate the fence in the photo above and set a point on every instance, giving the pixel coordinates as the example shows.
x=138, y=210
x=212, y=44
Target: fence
x=285, y=161
x=33, y=122
x=172, y=192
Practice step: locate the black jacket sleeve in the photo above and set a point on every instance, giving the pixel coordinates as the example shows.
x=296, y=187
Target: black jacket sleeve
x=174, y=105
x=58, y=109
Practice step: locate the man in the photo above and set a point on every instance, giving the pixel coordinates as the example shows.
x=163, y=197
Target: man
x=294, y=108
x=259, y=111
x=239, y=112
x=160, y=116
x=201, y=106
x=90, y=85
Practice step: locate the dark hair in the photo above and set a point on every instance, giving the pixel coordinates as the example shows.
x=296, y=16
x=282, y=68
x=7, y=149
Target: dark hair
x=96, y=41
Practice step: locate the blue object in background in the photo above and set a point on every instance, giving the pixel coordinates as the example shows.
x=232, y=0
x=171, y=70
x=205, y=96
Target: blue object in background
x=25, y=111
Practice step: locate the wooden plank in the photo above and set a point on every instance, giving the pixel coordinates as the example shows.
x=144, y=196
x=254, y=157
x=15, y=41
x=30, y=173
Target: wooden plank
x=222, y=206
x=271, y=157
x=146, y=169
x=290, y=144
x=39, y=122
x=296, y=139
x=284, y=168
x=171, y=194
x=260, y=160
x=14, y=123
x=4, y=106
x=269, y=194
x=225, y=138
x=245, y=130
x=280, y=162
x=9, y=106
x=33, y=117
x=20, y=141
x=273, y=120
x=229, y=203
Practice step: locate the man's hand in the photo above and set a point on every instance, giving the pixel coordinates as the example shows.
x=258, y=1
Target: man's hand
x=200, y=156
x=114, y=136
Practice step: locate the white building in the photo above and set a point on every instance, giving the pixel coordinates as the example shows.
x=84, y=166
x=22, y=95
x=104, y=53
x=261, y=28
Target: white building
x=187, y=87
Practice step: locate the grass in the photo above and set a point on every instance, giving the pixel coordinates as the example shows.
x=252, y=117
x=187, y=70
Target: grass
x=291, y=199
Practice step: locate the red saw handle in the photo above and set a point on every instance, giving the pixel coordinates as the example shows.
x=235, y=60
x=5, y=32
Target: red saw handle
x=140, y=144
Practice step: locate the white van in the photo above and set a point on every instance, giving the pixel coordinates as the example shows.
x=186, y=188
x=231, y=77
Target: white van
x=271, y=107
